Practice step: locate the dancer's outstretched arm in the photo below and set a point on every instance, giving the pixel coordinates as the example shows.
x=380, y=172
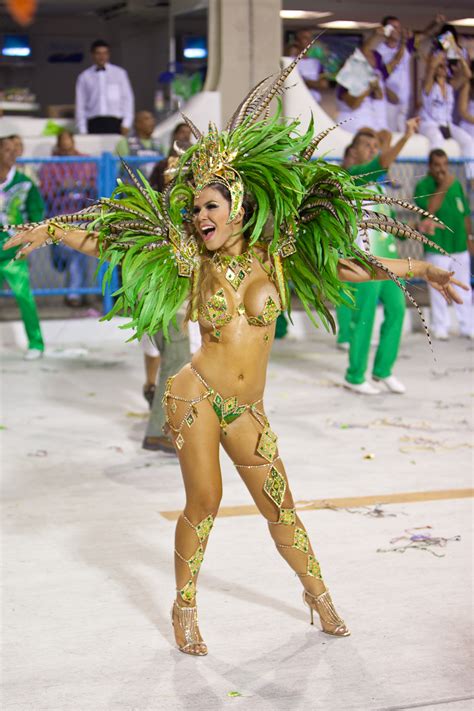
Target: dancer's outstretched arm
x=439, y=279
x=80, y=240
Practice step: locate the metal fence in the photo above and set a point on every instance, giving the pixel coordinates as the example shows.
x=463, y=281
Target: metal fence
x=69, y=184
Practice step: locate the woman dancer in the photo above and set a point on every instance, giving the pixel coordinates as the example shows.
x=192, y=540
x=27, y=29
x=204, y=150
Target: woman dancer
x=204, y=240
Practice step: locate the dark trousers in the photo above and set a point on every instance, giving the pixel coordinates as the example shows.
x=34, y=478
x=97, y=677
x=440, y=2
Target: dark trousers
x=104, y=124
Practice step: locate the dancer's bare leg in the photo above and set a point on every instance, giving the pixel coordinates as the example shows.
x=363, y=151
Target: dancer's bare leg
x=199, y=461
x=268, y=485
x=152, y=364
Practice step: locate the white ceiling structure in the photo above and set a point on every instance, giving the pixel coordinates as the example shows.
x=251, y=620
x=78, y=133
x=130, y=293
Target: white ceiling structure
x=414, y=13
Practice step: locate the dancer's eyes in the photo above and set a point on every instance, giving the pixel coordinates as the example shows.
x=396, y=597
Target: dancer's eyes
x=208, y=206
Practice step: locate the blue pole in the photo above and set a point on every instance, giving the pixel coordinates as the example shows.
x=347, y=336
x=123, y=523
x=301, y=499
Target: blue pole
x=107, y=183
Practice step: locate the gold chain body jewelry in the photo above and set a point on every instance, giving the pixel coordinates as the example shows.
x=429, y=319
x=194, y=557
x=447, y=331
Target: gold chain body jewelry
x=235, y=268
x=410, y=273
x=226, y=409
x=190, y=414
x=202, y=531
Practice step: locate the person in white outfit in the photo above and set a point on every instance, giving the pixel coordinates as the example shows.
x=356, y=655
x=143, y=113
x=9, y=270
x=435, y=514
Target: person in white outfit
x=360, y=92
x=104, y=96
x=310, y=68
x=442, y=195
x=438, y=106
x=466, y=105
x=396, y=52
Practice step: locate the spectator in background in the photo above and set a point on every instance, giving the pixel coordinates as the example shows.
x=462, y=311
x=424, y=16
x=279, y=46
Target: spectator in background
x=20, y=201
x=360, y=90
x=396, y=52
x=367, y=159
x=140, y=141
x=442, y=195
x=310, y=68
x=466, y=105
x=165, y=357
x=104, y=96
x=18, y=146
x=68, y=187
x=28, y=169
x=438, y=105
x=182, y=137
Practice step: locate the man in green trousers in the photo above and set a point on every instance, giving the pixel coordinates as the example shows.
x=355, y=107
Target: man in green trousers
x=368, y=159
x=20, y=201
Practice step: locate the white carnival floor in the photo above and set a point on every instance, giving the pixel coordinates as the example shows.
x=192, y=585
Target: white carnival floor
x=87, y=541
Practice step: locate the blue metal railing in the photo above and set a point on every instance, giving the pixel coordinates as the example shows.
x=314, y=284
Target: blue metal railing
x=88, y=177
x=67, y=184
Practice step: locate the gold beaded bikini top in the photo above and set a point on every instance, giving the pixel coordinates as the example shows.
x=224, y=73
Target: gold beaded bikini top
x=216, y=310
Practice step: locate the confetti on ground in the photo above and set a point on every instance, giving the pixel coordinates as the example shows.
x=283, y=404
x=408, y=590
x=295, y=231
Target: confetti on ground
x=422, y=426
x=65, y=353
x=234, y=693
x=373, y=511
x=441, y=405
x=38, y=453
x=419, y=541
x=369, y=455
x=450, y=371
x=410, y=444
x=139, y=415
x=115, y=448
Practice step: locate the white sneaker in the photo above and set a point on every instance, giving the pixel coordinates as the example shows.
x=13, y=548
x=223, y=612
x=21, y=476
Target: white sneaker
x=364, y=388
x=342, y=346
x=33, y=354
x=392, y=383
x=440, y=336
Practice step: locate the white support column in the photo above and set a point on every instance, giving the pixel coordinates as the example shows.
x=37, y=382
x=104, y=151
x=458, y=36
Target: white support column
x=249, y=37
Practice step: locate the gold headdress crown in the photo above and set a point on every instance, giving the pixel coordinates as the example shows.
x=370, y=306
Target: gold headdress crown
x=212, y=163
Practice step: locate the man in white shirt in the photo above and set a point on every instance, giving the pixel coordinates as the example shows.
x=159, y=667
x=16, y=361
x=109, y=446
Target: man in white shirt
x=104, y=96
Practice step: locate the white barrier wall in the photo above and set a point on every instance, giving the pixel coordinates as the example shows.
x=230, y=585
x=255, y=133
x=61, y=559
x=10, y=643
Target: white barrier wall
x=201, y=108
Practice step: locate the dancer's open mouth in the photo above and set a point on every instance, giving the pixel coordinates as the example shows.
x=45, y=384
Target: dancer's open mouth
x=208, y=232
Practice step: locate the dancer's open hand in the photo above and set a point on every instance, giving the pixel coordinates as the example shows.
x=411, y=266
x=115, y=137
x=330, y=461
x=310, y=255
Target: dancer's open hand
x=30, y=239
x=443, y=281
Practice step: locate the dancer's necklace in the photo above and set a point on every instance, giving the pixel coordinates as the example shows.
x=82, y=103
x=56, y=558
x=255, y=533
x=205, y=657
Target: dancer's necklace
x=235, y=267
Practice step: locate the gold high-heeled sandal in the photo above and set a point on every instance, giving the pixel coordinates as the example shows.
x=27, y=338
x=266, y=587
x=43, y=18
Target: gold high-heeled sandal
x=188, y=621
x=327, y=613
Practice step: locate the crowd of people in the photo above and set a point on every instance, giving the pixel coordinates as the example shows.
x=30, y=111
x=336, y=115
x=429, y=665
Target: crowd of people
x=376, y=87
x=384, y=62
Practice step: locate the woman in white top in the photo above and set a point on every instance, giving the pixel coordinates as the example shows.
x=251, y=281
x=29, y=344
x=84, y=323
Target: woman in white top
x=368, y=108
x=438, y=106
x=466, y=106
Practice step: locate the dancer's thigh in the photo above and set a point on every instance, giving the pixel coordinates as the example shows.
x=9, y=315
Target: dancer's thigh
x=199, y=455
x=240, y=443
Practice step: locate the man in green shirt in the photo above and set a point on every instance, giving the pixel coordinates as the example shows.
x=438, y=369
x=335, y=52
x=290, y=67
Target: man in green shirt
x=368, y=159
x=442, y=194
x=20, y=201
